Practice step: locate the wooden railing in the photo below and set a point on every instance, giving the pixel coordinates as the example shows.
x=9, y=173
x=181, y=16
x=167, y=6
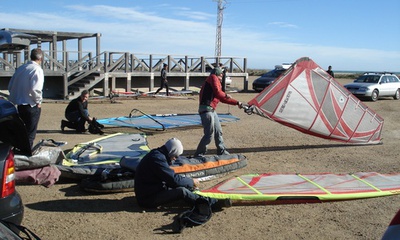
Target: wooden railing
x=126, y=62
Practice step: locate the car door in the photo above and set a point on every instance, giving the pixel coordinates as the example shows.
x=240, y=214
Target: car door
x=385, y=87
x=394, y=85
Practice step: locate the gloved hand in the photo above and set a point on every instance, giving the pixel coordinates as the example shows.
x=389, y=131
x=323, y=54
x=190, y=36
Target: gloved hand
x=242, y=105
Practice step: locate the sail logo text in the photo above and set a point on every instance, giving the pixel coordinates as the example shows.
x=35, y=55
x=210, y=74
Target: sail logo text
x=285, y=102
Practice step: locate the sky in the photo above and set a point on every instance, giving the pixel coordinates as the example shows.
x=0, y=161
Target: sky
x=350, y=35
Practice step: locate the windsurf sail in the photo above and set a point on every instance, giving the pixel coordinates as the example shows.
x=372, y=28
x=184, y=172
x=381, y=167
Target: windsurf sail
x=160, y=121
x=308, y=99
x=270, y=188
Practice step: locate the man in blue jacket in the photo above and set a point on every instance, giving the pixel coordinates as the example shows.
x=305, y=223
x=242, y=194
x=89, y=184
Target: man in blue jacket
x=157, y=184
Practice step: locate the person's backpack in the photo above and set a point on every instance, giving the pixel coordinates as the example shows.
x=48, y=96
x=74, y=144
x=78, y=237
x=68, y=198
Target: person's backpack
x=199, y=214
x=95, y=127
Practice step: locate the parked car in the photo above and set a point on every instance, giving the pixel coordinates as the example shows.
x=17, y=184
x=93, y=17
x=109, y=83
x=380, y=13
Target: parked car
x=13, y=139
x=373, y=85
x=269, y=77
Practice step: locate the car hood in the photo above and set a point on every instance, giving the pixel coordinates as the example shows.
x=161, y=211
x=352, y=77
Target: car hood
x=264, y=79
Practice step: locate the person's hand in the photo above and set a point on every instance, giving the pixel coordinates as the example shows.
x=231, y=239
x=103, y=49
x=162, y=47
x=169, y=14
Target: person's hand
x=242, y=105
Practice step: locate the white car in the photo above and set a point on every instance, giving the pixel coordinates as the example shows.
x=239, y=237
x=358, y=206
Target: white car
x=375, y=85
x=228, y=80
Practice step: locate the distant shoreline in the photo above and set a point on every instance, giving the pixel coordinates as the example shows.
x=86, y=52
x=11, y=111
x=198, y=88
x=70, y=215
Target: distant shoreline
x=338, y=73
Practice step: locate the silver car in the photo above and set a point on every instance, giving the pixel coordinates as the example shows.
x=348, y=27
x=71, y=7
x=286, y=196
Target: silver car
x=375, y=85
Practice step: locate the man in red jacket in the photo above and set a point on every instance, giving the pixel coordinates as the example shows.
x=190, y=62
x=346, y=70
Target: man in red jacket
x=210, y=95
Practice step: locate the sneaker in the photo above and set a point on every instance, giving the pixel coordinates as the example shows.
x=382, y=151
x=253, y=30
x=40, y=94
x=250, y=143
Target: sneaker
x=224, y=152
x=221, y=203
x=63, y=125
x=226, y=203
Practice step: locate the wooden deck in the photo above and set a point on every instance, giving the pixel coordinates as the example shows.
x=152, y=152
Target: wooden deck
x=69, y=72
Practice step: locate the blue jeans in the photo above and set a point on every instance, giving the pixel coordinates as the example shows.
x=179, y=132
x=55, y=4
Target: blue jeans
x=78, y=119
x=211, y=127
x=30, y=116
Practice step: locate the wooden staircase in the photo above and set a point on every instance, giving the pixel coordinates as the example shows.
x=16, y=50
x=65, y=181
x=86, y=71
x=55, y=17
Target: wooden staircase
x=83, y=83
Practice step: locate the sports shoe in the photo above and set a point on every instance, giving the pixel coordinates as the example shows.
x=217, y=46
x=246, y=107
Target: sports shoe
x=226, y=203
x=63, y=124
x=221, y=203
x=224, y=152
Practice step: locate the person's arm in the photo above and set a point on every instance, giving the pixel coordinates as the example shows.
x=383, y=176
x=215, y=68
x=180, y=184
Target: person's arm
x=221, y=95
x=168, y=175
x=82, y=111
x=37, y=81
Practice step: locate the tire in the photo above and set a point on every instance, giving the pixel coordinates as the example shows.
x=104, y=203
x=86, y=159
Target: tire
x=375, y=95
x=397, y=95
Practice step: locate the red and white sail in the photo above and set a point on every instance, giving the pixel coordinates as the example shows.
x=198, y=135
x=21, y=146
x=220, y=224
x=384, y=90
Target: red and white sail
x=308, y=99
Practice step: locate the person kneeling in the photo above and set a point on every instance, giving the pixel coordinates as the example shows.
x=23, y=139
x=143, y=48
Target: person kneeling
x=77, y=114
x=156, y=182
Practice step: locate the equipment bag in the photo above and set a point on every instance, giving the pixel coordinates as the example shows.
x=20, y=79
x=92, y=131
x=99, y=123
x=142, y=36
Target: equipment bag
x=199, y=214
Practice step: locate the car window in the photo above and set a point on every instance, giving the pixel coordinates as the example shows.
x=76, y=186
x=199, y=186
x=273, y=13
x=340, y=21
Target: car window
x=273, y=73
x=368, y=79
x=393, y=79
x=269, y=74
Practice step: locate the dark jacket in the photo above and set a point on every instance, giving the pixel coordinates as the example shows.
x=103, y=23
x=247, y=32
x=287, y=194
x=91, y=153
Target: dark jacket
x=153, y=175
x=211, y=93
x=76, y=105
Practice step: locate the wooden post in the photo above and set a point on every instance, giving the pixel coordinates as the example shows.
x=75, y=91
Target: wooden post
x=127, y=62
x=54, y=52
x=65, y=82
x=113, y=78
x=65, y=54
x=105, y=85
x=98, y=35
x=80, y=53
x=151, y=81
x=129, y=82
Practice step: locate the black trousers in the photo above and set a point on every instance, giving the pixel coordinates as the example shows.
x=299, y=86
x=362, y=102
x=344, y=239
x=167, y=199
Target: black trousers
x=30, y=116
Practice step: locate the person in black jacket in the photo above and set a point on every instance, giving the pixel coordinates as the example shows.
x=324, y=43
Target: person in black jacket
x=157, y=184
x=164, y=81
x=330, y=72
x=77, y=113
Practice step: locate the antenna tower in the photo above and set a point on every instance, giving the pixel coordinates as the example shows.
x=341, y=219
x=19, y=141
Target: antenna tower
x=218, y=40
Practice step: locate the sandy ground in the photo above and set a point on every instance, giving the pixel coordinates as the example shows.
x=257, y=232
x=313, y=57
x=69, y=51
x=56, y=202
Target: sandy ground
x=64, y=211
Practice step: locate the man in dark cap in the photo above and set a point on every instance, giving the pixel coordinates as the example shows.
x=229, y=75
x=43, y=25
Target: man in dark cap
x=330, y=72
x=210, y=95
x=164, y=81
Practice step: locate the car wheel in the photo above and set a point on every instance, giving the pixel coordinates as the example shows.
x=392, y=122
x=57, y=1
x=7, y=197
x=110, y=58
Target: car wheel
x=375, y=95
x=397, y=95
